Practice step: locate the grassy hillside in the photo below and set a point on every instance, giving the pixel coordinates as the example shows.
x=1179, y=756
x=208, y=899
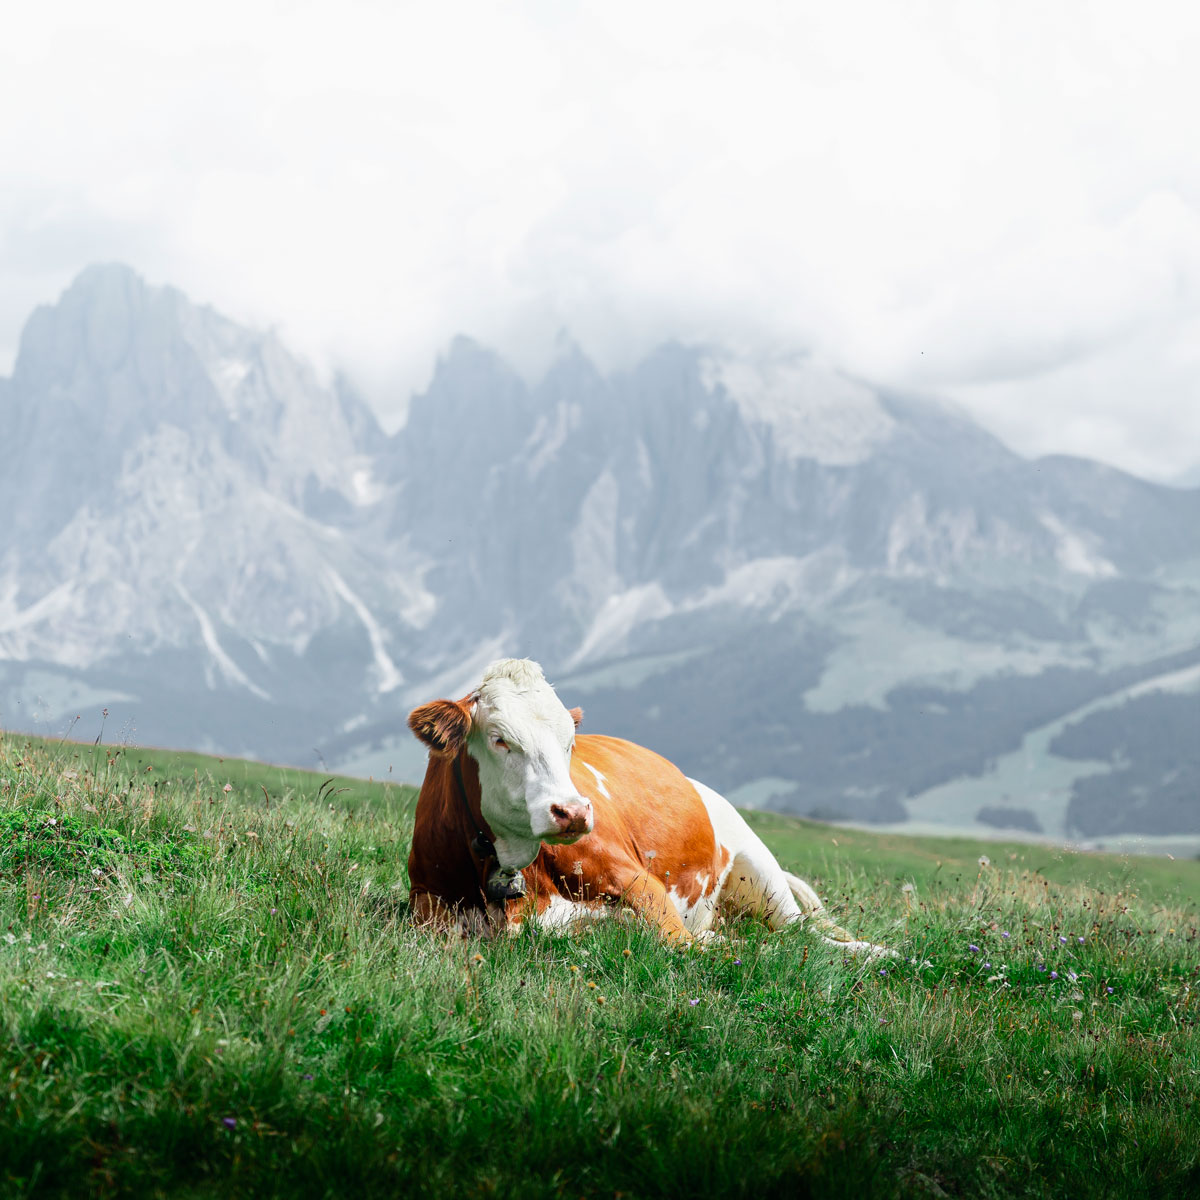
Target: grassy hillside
x=207, y=987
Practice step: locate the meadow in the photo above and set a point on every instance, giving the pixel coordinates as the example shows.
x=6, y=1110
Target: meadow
x=208, y=987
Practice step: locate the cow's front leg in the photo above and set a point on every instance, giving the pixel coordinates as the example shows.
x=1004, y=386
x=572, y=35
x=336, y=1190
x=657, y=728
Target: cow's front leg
x=648, y=898
x=435, y=915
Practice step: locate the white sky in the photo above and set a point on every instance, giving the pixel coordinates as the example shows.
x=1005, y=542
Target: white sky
x=992, y=201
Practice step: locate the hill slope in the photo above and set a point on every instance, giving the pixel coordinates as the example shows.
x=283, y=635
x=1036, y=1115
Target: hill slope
x=202, y=994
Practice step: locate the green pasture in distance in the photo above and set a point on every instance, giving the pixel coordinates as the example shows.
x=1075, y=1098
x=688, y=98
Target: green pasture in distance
x=206, y=775
x=826, y=852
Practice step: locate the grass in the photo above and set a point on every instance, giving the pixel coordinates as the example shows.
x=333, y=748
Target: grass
x=215, y=992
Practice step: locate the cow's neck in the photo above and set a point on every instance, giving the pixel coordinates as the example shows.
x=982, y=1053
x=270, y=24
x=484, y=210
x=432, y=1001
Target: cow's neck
x=510, y=856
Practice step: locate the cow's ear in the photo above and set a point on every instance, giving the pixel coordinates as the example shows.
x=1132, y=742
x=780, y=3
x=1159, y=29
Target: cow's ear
x=442, y=725
x=576, y=716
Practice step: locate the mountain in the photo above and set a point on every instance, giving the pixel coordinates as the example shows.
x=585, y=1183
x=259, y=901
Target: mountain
x=817, y=594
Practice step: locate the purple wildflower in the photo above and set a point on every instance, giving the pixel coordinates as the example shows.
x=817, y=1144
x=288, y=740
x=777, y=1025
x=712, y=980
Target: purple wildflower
x=974, y=949
x=737, y=962
x=306, y=1077
x=229, y=1122
x=1108, y=990
x=1062, y=939
x=1041, y=966
x=1080, y=940
x=1053, y=974
x=1004, y=933
x=987, y=964
x=882, y=971
x=693, y=1003
x=1072, y=976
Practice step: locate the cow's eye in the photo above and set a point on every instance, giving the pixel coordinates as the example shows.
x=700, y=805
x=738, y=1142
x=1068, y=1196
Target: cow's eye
x=498, y=743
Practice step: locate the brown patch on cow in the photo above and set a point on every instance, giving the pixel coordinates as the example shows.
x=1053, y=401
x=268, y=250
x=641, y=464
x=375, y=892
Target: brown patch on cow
x=442, y=725
x=441, y=867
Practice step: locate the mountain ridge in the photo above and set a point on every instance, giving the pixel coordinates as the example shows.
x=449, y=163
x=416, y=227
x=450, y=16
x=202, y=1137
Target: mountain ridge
x=780, y=535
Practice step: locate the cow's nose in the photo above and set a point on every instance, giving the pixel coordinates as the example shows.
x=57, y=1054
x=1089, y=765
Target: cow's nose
x=573, y=817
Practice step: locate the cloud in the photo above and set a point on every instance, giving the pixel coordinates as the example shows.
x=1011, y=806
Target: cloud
x=990, y=200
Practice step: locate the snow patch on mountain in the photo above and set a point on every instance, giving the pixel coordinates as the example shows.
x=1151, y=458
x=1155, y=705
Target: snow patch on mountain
x=1074, y=554
x=618, y=617
x=388, y=677
x=228, y=668
x=811, y=411
x=779, y=583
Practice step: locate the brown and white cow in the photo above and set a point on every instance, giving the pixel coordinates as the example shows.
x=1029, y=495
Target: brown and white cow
x=522, y=819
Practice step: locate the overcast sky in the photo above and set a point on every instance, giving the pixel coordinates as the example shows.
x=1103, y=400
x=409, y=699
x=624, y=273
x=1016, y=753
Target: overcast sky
x=997, y=202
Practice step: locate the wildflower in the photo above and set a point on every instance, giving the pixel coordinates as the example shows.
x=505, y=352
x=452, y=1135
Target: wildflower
x=1053, y=974
x=227, y=788
x=1063, y=940
x=1080, y=940
x=984, y=861
x=274, y=911
x=599, y=999
x=987, y=964
x=693, y=1003
x=627, y=952
x=737, y=962
x=882, y=971
x=974, y=949
x=1072, y=976
x=478, y=958
x=1041, y=966
x=229, y=1122
x=1004, y=933
x=1109, y=990
x=306, y=1077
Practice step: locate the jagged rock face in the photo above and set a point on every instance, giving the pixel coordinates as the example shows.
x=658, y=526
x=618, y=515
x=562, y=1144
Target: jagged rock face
x=175, y=474
x=831, y=597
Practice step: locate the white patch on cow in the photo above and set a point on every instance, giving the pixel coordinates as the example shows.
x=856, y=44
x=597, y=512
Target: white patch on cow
x=601, y=780
x=698, y=917
x=562, y=913
x=754, y=882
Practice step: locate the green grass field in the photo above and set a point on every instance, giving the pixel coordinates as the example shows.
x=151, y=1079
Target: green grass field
x=208, y=988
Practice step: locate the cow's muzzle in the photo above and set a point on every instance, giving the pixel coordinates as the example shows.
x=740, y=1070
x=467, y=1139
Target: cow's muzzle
x=571, y=820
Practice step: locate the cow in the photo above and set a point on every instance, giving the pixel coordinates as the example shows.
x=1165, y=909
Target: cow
x=522, y=819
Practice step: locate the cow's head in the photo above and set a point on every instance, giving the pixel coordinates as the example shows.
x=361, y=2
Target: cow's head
x=520, y=736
